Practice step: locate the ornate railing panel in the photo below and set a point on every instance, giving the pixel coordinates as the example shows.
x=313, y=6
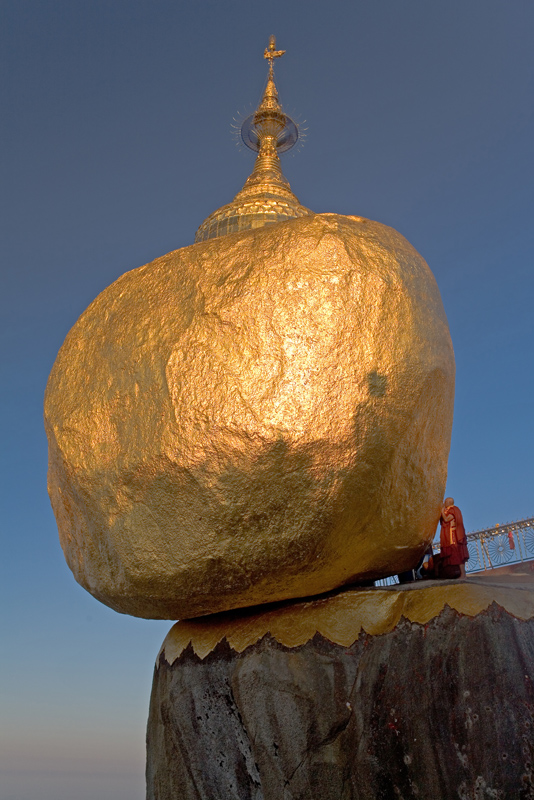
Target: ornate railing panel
x=494, y=547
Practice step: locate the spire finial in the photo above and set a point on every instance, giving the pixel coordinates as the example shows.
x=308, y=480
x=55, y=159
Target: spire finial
x=269, y=125
x=271, y=53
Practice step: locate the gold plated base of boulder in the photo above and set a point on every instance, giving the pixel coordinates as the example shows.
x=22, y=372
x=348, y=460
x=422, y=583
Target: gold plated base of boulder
x=417, y=691
x=343, y=616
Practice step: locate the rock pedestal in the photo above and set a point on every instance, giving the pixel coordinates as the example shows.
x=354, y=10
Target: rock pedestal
x=418, y=692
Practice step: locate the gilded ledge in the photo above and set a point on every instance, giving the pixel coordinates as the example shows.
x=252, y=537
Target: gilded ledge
x=342, y=617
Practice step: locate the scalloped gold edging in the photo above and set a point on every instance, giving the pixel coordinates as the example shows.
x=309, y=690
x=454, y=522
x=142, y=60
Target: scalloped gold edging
x=342, y=617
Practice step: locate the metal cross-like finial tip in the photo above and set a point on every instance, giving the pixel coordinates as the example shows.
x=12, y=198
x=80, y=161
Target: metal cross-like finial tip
x=271, y=52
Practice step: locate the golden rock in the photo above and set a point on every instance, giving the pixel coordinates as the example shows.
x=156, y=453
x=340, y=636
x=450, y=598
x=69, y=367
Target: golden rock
x=256, y=417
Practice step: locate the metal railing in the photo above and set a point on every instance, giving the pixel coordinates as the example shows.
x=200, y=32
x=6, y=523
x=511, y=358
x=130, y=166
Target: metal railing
x=494, y=547
x=510, y=543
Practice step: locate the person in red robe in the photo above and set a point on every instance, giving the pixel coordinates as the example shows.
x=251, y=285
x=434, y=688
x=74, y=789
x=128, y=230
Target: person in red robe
x=453, y=541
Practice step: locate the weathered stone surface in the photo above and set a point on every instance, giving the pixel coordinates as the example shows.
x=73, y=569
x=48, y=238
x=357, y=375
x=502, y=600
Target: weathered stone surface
x=437, y=711
x=257, y=417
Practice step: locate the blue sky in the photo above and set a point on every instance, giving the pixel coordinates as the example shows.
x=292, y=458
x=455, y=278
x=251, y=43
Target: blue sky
x=116, y=144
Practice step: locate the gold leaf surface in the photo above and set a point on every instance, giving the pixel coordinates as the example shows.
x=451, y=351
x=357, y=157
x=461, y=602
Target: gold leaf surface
x=256, y=417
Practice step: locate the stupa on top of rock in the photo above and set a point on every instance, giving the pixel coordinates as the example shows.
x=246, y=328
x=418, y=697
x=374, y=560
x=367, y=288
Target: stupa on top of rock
x=260, y=416
x=266, y=196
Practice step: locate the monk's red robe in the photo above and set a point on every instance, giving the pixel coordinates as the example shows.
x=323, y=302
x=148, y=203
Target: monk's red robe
x=452, y=538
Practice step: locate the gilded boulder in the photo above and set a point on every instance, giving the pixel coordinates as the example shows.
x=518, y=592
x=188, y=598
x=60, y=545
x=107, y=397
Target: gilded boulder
x=261, y=416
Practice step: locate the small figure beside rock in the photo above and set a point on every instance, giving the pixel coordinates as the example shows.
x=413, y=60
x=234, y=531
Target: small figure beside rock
x=453, y=541
x=450, y=561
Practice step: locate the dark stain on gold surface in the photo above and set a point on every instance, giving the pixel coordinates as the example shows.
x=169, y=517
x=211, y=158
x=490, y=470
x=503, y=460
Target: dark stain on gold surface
x=377, y=384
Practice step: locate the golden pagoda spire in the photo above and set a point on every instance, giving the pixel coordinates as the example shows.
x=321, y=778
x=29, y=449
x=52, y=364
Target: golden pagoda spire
x=271, y=53
x=266, y=196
